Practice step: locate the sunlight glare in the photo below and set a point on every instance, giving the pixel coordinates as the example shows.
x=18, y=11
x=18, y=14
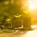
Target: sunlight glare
x=32, y=4
x=31, y=34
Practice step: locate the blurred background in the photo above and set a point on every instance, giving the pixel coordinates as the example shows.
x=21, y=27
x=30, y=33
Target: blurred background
x=18, y=14
x=18, y=18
